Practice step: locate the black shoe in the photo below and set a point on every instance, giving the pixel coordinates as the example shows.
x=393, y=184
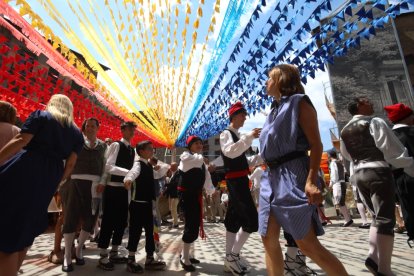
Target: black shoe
x=324, y=223
x=371, y=266
x=365, y=226
x=400, y=229
x=189, y=268
x=194, y=261
x=106, y=264
x=134, y=267
x=152, y=264
x=67, y=268
x=80, y=261
x=165, y=222
x=348, y=223
x=117, y=258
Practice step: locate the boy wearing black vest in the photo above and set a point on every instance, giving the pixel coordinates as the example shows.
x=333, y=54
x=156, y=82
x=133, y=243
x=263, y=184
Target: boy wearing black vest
x=120, y=160
x=140, y=209
x=403, y=119
x=241, y=211
x=194, y=177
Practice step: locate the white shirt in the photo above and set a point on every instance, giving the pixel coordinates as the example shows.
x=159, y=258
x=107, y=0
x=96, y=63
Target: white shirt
x=233, y=150
x=385, y=140
x=224, y=198
x=255, y=178
x=190, y=161
x=399, y=126
x=136, y=169
x=162, y=171
x=110, y=166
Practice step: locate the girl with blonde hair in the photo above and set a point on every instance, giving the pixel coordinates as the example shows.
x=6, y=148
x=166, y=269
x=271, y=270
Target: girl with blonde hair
x=31, y=167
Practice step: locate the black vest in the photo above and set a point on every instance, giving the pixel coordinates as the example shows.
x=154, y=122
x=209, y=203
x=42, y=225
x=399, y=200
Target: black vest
x=171, y=190
x=341, y=170
x=406, y=136
x=90, y=161
x=237, y=164
x=359, y=142
x=125, y=159
x=193, y=180
x=144, y=187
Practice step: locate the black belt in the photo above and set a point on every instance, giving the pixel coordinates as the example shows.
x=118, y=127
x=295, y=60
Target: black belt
x=285, y=158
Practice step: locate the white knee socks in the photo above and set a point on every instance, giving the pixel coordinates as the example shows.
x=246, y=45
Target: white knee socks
x=361, y=210
x=83, y=236
x=230, y=239
x=241, y=238
x=68, y=238
x=185, y=253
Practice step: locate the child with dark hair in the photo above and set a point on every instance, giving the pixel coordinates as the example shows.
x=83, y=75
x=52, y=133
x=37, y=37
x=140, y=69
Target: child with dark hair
x=120, y=160
x=195, y=177
x=140, y=209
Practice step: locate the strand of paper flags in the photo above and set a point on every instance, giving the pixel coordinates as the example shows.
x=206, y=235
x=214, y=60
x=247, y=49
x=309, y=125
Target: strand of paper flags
x=282, y=41
x=26, y=84
x=156, y=48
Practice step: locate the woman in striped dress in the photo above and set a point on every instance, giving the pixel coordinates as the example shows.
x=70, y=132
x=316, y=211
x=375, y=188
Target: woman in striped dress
x=289, y=194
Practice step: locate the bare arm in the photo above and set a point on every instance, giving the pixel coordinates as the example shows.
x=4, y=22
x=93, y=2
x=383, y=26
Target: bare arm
x=308, y=121
x=69, y=165
x=14, y=146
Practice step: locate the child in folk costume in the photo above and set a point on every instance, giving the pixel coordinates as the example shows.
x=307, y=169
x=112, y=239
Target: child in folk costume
x=194, y=176
x=141, y=209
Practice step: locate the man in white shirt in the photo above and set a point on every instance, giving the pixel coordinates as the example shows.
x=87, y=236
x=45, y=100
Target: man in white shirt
x=372, y=146
x=337, y=182
x=120, y=160
x=241, y=211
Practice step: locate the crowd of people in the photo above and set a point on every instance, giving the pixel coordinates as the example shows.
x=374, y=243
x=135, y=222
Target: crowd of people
x=110, y=185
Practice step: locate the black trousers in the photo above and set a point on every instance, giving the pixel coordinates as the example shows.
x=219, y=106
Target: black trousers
x=241, y=211
x=115, y=215
x=140, y=216
x=405, y=191
x=191, y=207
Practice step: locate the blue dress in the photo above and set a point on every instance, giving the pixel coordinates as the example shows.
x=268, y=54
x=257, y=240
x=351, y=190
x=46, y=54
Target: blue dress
x=282, y=188
x=30, y=178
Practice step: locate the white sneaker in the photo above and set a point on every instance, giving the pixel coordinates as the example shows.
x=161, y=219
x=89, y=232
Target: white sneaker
x=232, y=264
x=246, y=266
x=291, y=268
x=303, y=269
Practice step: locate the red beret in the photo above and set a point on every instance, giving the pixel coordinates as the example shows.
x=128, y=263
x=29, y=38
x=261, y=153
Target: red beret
x=191, y=139
x=236, y=107
x=398, y=112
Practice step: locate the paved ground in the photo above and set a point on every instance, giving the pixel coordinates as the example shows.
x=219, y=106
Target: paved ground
x=348, y=244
